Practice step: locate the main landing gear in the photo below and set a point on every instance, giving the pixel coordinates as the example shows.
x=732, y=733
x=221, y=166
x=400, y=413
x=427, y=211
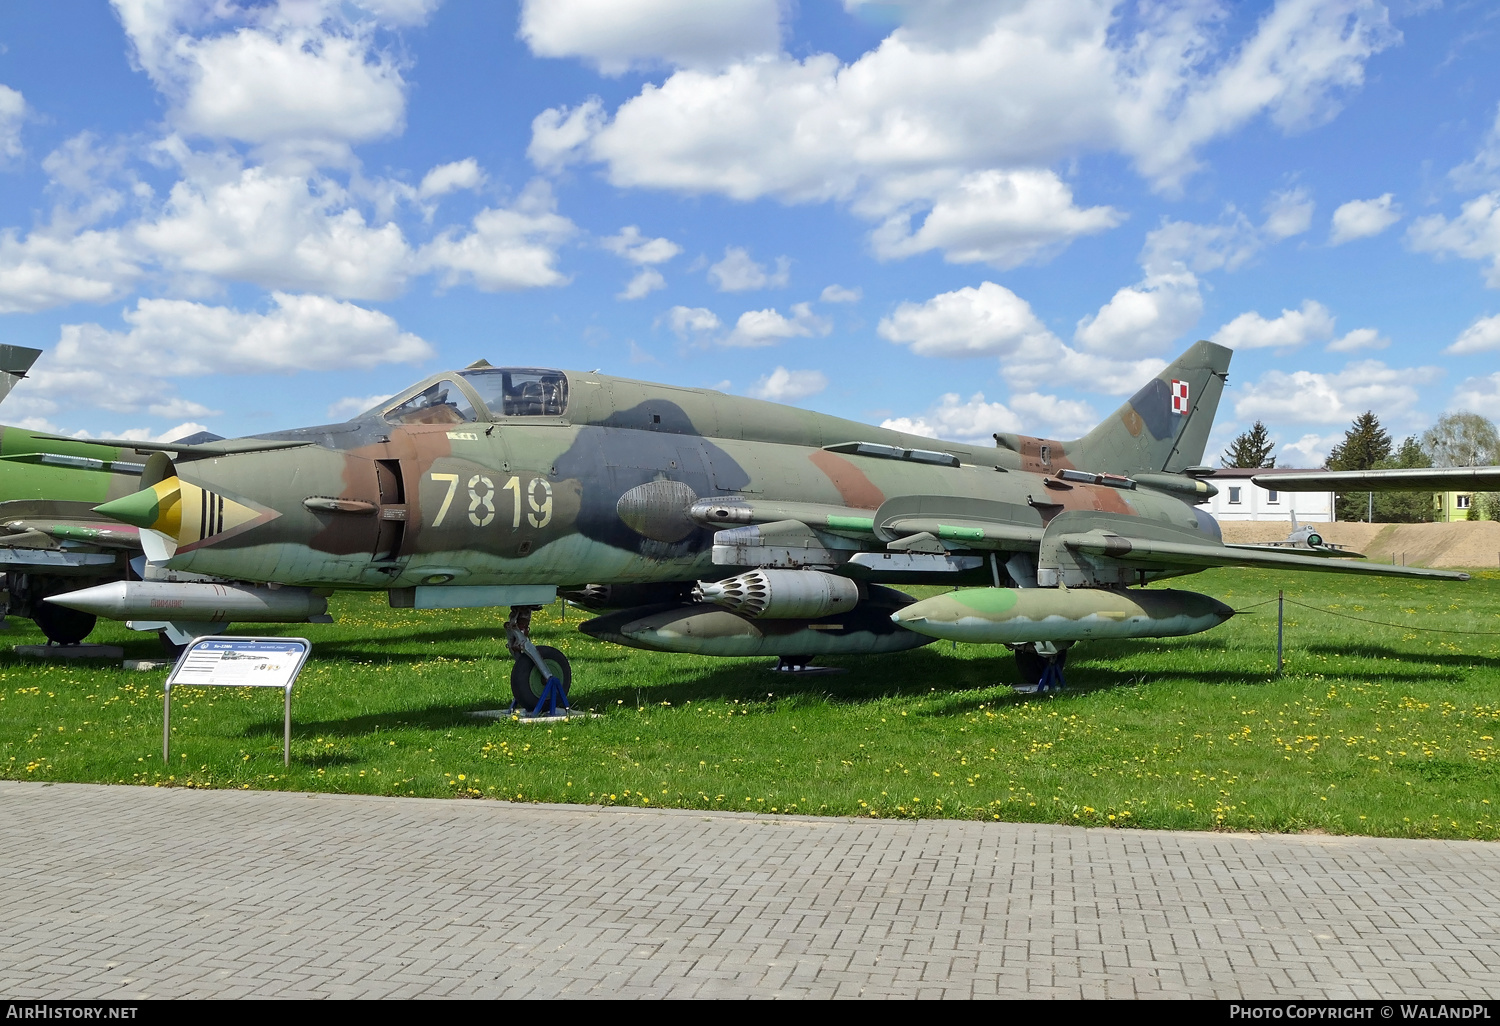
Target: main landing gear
x=542, y=675
x=1041, y=665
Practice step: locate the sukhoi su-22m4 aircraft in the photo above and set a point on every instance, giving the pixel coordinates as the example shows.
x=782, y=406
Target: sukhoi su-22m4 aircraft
x=705, y=523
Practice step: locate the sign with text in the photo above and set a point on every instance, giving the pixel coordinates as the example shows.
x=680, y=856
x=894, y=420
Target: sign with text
x=238, y=663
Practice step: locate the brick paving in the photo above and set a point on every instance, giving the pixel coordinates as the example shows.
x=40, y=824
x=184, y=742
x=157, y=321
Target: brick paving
x=123, y=892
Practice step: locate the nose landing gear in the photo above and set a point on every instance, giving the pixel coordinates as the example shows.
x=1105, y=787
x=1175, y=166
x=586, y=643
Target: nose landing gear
x=542, y=676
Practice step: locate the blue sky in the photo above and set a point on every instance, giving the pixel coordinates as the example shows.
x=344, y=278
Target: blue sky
x=954, y=217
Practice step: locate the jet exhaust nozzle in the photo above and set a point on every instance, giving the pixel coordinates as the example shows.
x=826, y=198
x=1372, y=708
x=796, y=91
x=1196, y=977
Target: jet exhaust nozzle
x=781, y=594
x=164, y=600
x=1019, y=615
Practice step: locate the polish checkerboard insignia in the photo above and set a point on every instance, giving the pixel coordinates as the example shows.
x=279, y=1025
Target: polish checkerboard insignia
x=1180, y=397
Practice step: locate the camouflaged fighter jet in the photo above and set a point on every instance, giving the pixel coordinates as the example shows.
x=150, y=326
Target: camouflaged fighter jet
x=713, y=524
x=51, y=540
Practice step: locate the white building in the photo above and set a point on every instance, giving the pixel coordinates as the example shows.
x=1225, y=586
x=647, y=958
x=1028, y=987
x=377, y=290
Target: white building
x=1241, y=499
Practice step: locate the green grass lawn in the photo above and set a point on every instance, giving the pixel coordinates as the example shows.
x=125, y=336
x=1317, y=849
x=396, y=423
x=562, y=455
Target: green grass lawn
x=1372, y=730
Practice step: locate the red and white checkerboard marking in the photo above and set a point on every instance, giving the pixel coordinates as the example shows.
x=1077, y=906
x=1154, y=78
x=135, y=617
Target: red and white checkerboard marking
x=1180, y=397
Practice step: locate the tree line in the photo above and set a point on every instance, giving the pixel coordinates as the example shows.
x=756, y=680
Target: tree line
x=1456, y=440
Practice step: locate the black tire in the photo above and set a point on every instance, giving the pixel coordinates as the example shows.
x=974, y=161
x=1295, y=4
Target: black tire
x=1033, y=664
x=527, y=682
x=63, y=626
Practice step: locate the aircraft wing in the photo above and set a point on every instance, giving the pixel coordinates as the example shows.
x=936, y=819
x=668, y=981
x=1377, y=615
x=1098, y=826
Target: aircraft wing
x=226, y=447
x=1163, y=553
x=1321, y=551
x=1418, y=479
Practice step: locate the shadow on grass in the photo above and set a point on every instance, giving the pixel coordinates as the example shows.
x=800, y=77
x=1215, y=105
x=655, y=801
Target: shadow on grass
x=1368, y=651
x=950, y=687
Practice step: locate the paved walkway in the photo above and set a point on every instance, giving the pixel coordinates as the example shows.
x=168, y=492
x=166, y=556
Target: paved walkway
x=125, y=892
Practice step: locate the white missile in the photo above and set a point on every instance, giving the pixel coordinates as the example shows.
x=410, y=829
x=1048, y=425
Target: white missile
x=163, y=600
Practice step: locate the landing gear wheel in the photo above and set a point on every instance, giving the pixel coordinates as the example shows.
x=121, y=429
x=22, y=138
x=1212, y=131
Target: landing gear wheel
x=1033, y=665
x=63, y=626
x=527, y=682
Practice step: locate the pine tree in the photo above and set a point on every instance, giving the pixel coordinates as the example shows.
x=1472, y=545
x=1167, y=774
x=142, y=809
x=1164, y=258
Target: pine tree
x=1365, y=444
x=1251, y=449
x=1404, y=507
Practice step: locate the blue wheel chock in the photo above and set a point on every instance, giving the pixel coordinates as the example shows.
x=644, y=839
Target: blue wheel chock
x=552, y=698
x=1052, y=677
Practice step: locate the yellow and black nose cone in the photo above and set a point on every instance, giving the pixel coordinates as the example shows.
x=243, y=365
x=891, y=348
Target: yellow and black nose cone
x=149, y=508
x=187, y=515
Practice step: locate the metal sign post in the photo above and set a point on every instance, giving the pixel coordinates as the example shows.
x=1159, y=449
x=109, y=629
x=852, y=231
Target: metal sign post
x=238, y=663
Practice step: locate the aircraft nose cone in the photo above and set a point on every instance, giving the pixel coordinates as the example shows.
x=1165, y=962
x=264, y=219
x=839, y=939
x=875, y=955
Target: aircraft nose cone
x=144, y=508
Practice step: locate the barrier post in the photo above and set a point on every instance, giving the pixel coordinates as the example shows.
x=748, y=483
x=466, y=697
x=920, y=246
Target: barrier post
x=1280, y=619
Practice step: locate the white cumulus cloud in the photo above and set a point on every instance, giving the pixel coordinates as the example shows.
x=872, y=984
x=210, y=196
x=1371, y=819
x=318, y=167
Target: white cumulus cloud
x=276, y=231
x=1474, y=234
x=975, y=418
x=991, y=320
x=446, y=178
x=1360, y=219
x=353, y=406
x=1359, y=338
x=787, y=386
x=839, y=294
x=631, y=245
x=1311, y=450
x=1311, y=322
x=692, y=322
x=738, y=272
x=1481, y=393
x=1140, y=319
x=1002, y=218
x=12, y=114
x=757, y=328
x=616, y=35
x=646, y=281
x=1309, y=397
x=508, y=248
x=50, y=268
x=1480, y=337
x=1176, y=245
x=298, y=73
x=1288, y=213
x=961, y=99
x=1483, y=172
x=984, y=321
x=128, y=371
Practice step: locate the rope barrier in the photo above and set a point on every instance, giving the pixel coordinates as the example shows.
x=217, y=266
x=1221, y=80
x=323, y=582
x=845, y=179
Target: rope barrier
x=1382, y=623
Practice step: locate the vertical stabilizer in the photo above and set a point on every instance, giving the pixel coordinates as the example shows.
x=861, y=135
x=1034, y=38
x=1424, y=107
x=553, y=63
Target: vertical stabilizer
x=1164, y=426
x=15, y=361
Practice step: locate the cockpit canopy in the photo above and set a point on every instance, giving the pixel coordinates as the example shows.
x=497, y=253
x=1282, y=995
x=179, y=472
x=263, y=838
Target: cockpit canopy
x=502, y=392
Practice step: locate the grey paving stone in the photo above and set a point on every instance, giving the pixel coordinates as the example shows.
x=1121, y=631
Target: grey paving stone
x=114, y=892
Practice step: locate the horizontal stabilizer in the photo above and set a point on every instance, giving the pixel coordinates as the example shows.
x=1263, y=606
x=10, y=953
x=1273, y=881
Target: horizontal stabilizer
x=15, y=361
x=1157, y=553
